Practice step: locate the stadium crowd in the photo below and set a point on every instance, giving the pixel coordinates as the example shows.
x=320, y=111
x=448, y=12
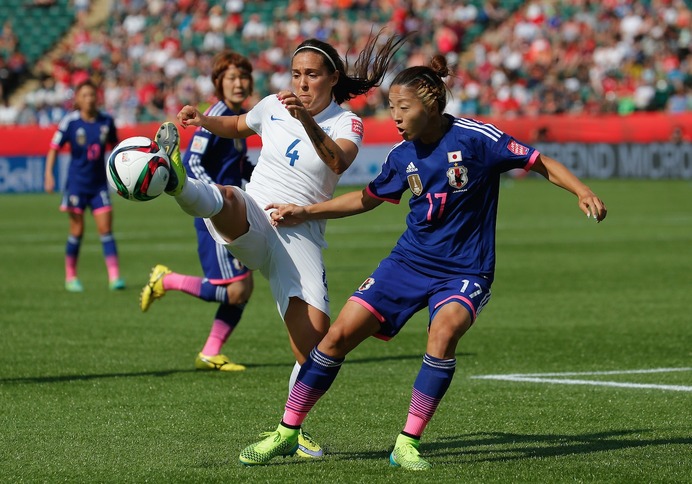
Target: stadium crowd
x=545, y=57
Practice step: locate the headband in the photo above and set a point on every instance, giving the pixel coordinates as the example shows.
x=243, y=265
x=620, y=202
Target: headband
x=319, y=50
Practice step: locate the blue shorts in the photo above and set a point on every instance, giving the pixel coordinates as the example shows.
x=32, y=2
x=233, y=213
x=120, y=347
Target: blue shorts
x=218, y=264
x=395, y=292
x=78, y=201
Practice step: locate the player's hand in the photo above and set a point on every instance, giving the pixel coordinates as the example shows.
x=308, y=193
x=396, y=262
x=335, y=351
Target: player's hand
x=592, y=206
x=286, y=214
x=49, y=183
x=293, y=105
x=190, y=116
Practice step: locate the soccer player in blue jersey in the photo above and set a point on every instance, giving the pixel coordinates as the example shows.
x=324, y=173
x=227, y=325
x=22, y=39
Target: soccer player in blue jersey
x=445, y=260
x=213, y=159
x=89, y=132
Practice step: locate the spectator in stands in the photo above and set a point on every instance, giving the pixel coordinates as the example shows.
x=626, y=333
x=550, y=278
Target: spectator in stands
x=542, y=58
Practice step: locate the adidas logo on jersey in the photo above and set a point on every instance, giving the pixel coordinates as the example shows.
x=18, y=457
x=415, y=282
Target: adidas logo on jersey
x=411, y=168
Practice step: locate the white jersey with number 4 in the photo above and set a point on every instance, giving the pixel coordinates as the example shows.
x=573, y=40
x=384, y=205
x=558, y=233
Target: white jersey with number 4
x=289, y=169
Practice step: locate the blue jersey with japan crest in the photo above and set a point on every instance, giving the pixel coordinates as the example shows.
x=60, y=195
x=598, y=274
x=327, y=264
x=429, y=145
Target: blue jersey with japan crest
x=213, y=159
x=455, y=186
x=88, y=141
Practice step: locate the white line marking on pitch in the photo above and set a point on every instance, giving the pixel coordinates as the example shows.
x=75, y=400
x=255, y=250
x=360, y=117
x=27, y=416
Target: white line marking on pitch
x=541, y=378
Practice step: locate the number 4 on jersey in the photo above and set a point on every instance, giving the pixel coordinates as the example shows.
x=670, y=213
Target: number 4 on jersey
x=292, y=155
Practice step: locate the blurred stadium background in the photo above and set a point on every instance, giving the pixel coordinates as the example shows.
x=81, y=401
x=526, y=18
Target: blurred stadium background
x=594, y=80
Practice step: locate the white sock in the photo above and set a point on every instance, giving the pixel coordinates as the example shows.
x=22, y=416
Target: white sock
x=200, y=199
x=294, y=376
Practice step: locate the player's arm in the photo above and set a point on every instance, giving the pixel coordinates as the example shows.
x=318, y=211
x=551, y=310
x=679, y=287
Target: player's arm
x=223, y=126
x=336, y=154
x=48, y=178
x=351, y=203
x=559, y=175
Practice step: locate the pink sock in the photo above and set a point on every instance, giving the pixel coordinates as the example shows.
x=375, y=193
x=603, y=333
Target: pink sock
x=220, y=331
x=415, y=425
x=70, y=268
x=420, y=412
x=180, y=282
x=113, y=267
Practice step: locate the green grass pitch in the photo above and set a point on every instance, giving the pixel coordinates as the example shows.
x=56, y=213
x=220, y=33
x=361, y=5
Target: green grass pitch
x=92, y=390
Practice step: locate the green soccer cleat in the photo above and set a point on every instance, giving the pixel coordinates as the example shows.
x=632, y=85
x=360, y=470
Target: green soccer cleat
x=169, y=139
x=217, y=362
x=405, y=454
x=73, y=285
x=117, y=284
x=307, y=447
x=283, y=441
x=154, y=288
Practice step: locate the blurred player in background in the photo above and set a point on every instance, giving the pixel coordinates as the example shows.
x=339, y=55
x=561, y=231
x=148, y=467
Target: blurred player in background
x=444, y=261
x=89, y=132
x=213, y=159
x=308, y=141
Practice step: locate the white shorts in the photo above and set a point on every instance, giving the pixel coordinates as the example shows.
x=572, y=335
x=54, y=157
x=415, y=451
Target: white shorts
x=289, y=257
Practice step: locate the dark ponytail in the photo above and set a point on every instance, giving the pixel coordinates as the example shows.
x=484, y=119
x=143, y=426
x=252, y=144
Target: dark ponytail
x=369, y=69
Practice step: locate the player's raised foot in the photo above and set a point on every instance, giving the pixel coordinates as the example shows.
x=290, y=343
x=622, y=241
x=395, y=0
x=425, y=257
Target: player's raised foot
x=405, y=455
x=168, y=138
x=307, y=447
x=216, y=362
x=283, y=441
x=73, y=285
x=117, y=284
x=154, y=288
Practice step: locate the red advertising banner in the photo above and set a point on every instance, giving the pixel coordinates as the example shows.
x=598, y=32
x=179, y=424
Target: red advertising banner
x=635, y=128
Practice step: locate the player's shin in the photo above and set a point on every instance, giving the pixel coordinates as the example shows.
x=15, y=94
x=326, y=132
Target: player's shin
x=200, y=199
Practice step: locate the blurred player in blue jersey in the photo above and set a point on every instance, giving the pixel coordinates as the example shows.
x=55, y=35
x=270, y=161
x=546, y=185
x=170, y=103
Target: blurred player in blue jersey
x=89, y=132
x=308, y=141
x=445, y=260
x=213, y=159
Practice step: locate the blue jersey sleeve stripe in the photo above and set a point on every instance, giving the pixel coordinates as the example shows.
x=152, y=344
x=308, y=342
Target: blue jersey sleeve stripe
x=480, y=129
x=369, y=191
x=197, y=169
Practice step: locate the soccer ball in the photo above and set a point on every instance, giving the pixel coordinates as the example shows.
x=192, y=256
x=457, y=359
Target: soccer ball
x=138, y=169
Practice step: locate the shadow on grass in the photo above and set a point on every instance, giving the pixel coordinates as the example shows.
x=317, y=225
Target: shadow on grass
x=503, y=447
x=96, y=376
x=165, y=373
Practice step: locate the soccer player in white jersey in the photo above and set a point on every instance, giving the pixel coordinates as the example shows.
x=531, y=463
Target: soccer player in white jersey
x=445, y=260
x=308, y=141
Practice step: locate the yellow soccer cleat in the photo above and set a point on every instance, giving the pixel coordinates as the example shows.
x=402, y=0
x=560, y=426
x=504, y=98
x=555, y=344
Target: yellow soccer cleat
x=154, y=288
x=406, y=455
x=307, y=447
x=217, y=362
x=74, y=285
x=283, y=441
x=168, y=138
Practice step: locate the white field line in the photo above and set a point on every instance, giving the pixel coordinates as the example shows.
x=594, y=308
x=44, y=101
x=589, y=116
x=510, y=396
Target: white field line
x=542, y=378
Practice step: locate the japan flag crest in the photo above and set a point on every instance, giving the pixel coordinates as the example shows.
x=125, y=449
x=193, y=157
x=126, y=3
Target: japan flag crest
x=454, y=156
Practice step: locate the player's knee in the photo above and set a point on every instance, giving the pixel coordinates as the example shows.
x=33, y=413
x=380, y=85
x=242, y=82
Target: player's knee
x=229, y=194
x=451, y=325
x=336, y=341
x=239, y=293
